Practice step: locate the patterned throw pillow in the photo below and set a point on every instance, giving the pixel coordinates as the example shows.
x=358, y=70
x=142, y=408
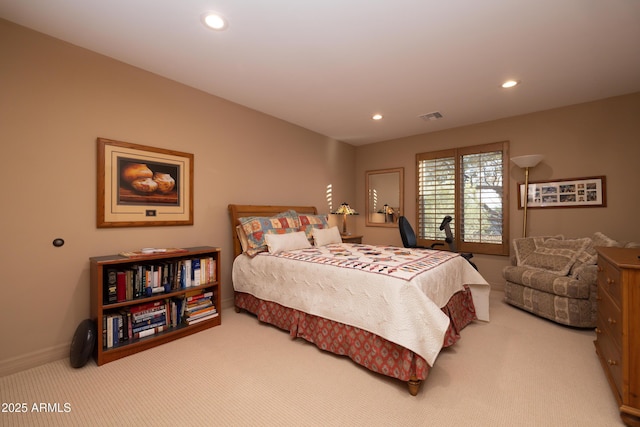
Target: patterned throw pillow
x=255, y=228
x=524, y=246
x=600, y=239
x=556, y=256
x=589, y=256
x=309, y=222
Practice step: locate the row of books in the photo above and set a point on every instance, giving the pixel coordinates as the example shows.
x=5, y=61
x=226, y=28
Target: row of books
x=151, y=318
x=199, y=308
x=144, y=280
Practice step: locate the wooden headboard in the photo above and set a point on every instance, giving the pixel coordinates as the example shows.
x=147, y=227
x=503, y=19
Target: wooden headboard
x=239, y=211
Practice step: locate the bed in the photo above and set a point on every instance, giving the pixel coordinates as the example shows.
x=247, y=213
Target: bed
x=389, y=309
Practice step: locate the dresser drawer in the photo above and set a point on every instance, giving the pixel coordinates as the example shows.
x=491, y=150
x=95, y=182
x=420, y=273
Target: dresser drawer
x=618, y=326
x=609, y=317
x=610, y=356
x=609, y=281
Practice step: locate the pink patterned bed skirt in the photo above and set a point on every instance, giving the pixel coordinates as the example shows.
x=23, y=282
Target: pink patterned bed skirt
x=364, y=348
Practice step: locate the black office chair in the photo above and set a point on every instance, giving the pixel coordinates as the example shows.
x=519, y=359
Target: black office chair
x=409, y=236
x=409, y=239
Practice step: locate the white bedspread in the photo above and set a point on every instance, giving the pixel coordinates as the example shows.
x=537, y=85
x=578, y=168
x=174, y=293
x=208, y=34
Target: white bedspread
x=403, y=310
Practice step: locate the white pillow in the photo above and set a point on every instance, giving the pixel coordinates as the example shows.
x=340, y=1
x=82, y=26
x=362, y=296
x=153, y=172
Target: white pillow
x=326, y=236
x=286, y=242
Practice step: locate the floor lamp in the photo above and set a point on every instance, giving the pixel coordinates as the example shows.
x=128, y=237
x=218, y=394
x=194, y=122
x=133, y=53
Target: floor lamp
x=526, y=162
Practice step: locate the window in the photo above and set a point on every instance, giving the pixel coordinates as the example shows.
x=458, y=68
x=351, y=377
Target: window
x=469, y=185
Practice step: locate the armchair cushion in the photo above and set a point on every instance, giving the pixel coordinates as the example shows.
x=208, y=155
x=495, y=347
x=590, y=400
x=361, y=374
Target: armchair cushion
x=551, y=283
x=556, y=256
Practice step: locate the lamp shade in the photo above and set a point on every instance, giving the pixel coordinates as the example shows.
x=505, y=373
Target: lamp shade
x=345, y=209
x=528, y=161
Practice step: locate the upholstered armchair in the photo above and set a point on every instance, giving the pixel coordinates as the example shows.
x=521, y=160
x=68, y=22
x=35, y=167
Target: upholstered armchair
x=556, y=278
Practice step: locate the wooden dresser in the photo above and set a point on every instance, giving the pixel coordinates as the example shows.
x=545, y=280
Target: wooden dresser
x=618, y=327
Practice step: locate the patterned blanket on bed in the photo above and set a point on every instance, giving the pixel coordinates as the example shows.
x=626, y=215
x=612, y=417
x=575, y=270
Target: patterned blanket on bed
x=374, y=288
x=392, y=261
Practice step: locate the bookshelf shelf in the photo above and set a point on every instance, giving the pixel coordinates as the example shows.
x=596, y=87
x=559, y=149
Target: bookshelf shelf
x=115, y=312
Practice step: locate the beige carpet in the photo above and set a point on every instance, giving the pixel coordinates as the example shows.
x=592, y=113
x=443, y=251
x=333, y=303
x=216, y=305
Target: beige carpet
x=517, y=370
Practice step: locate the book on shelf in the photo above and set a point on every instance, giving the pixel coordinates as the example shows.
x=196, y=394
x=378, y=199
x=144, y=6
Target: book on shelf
x=186, y=264
x=194, y=298
x=148, y=318
x=141, y=326
x=111, y=286
x=126, y=320
x=145, y=306
x=199, y=310
x=149, y=314
x=202, y=319
x=207, y=270
x=195, y=272
x=108, y=340
x=212, y=270
x=197, y=294
x=107, y=332
x=148, y=332
x=145, y=280
x=200, y=305
x=121, y=287
x=203, y=313
x=129, y=284
x=114, y=330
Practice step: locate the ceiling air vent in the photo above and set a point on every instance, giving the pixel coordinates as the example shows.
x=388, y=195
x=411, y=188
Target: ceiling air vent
x=431, y=116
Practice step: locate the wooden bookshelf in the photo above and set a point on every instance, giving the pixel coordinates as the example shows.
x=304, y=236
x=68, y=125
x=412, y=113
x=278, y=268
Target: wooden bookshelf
x=173, y=293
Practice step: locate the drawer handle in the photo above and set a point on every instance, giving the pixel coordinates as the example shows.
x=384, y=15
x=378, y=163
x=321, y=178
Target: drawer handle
x=611, y=321
x=612, y=362
x=598, y=331
x=610, y=281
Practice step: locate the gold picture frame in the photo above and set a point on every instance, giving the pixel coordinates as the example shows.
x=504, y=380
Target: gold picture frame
x=142, y=186
x=566, y=193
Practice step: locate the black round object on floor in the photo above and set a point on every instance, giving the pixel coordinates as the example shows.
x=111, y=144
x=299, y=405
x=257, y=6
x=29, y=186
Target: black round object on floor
x=84, y=340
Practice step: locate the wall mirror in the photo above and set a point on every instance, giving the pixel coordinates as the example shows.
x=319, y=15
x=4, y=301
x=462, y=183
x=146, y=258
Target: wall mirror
x=385, y=197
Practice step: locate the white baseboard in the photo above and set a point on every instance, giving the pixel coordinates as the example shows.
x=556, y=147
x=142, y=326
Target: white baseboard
x=31, y=360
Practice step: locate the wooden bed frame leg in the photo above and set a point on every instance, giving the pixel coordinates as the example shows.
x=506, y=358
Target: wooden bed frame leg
x=414, y=385
x=237, y=309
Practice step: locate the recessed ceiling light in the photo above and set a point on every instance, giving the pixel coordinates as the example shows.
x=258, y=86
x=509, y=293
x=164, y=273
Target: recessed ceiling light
x=214, y=20
x=377, y=117
x=510, y=83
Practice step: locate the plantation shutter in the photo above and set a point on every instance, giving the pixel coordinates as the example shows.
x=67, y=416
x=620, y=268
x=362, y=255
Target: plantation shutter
x=436, y=192
x=467, y=184
x=481, y=197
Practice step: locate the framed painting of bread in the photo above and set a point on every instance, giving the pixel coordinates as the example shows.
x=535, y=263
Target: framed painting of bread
x=142, y=186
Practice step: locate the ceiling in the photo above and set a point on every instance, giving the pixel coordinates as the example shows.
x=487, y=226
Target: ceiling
x=328, y=65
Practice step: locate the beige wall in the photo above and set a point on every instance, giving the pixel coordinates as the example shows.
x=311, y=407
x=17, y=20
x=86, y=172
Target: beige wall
x=55, y=100
x=596, y=138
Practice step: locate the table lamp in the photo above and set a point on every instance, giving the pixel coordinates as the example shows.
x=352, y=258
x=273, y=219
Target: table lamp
x=345, y=210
